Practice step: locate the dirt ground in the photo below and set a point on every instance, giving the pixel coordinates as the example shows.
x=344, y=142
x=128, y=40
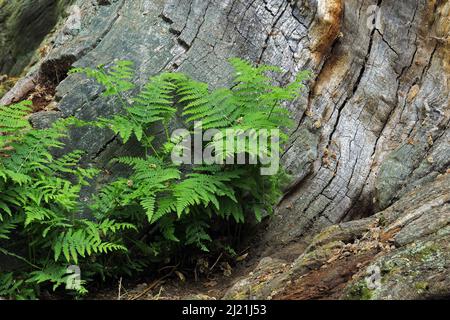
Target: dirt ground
x=173, y=284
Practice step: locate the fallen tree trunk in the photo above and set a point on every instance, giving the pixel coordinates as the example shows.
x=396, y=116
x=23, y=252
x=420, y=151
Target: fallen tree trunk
x=399, y=253
x=372, y=126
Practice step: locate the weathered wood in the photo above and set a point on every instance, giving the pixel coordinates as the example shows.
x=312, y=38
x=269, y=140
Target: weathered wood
x=399, y=253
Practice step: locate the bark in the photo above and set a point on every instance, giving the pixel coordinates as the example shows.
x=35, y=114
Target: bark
x=372, y=126
x=399, y=253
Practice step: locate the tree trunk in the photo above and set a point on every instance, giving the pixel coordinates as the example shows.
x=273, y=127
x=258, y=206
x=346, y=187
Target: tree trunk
x=372, y=125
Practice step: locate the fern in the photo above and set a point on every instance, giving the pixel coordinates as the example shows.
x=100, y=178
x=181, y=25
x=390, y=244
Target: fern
x=39, y=198
x=12, y=119
x=201, y=189
x=197, y=234
x=157, y=210
x=154, y=103
x=13, y=288
x=157, y=191
x=116, y=79
x=73, y=244
x=7, y=226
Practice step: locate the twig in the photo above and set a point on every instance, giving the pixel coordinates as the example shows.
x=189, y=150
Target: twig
x=159, y=293
x=153, y=285
x=212, y=267
x=167, y=267
x=246, y=249
x=120, y=288
x=150, y=287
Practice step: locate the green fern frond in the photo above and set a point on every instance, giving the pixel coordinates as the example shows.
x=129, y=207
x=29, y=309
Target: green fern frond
x=7, y=226
x=116, y=79
x=201, y=189
x=82, y=242
x=196, y=234
x=12, y=119
x=166, y=205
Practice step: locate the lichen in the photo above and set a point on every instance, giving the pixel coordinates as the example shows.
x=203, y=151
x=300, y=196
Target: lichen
x=247, y=292
x=424, y=253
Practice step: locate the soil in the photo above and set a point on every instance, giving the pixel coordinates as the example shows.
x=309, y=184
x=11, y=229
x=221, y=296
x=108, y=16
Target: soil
x=173, y=284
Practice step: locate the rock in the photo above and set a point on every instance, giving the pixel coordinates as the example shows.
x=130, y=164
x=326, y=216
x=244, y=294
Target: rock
x=45, y=119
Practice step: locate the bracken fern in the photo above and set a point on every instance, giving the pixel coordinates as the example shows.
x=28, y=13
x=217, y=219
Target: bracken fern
x=175, y=202
x=156, y=210
x=40, y=206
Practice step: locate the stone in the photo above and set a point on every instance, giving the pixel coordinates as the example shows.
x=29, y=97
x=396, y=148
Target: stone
x=44, y=119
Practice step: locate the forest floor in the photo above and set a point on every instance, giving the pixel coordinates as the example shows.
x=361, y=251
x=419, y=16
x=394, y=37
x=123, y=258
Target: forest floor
x=205, y=281
x=179, y=284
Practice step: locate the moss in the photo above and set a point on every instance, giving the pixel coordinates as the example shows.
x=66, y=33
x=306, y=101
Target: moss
x=421, y=286
x=359, y=291
x=382, y=221
x=326, y=234
x=6, y=84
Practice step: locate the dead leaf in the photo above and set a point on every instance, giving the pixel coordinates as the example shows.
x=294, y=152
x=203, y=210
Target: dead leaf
x=226, y=268
x=242, y=257
x=180, y=276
